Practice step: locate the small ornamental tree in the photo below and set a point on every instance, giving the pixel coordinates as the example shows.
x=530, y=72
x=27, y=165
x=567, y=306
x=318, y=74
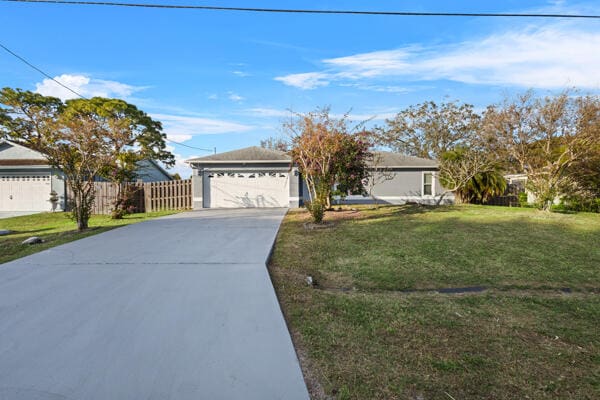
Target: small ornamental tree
x=84, y=138
x=327, y=151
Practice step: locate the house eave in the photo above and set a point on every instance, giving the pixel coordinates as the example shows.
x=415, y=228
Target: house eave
x=403, y=166
x=237, y=161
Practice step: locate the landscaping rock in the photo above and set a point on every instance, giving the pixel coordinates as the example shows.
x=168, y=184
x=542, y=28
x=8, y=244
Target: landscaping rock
x=309, y=281
x=5, y=232
x=33, y=240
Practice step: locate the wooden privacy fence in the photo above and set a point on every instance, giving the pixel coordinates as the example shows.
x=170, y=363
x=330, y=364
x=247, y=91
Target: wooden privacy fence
x=168, y=195
x=146, y=197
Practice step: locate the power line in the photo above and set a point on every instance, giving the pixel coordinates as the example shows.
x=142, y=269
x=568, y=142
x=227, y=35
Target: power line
x=191, y=147
x=309, y=11
x=39, y=70
x=24, y=61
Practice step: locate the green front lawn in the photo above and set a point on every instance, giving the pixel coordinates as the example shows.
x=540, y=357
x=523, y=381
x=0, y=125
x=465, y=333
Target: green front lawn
x=373, y=327
x=55, y=229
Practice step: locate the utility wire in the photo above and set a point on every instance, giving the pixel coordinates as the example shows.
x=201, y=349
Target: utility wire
x=309, y=11
x=191, y=147
x=24, y=61
x=39, y=70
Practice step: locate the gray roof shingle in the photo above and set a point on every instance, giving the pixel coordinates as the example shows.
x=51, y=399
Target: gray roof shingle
x=389, y=159
x=253, y=153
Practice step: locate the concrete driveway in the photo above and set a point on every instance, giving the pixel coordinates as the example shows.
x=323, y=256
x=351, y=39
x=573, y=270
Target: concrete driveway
x=180, y=307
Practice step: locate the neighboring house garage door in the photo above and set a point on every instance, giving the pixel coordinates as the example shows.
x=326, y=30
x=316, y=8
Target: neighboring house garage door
x=248, y=189
x=25, y=193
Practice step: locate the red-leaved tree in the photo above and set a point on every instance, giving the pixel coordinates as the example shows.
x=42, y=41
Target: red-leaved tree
x=328, y=151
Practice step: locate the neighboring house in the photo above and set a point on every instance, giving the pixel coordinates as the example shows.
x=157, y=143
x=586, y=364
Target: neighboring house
x=26, y=179
x=258, y=177
x=520, y=181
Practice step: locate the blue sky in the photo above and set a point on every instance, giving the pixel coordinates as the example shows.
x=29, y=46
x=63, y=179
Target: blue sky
x=226, y=79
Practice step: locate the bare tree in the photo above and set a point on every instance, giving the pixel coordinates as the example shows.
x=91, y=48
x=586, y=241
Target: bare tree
x=544, y=137
x=429, y=130
x=275, y=143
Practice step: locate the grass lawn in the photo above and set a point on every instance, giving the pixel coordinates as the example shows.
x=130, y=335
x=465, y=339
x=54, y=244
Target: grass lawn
x=375, y=328
x=55, y=229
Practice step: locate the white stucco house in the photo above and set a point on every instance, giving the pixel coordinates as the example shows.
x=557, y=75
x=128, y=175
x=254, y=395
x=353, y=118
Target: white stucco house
x=258, y=177
x=26, y=179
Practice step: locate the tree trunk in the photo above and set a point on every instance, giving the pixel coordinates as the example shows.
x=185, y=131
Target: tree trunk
x=439, y=201
x=83, y=199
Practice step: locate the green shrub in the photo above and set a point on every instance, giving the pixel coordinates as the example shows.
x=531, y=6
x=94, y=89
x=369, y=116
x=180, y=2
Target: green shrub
x=523, y=199
x=579, y=203
x=316, y=210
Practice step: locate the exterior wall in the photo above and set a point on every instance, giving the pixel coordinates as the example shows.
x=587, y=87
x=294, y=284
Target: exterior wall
x=59, y=186
x=399, y=186
x=403, y=184
x=295, y=188
x=197, y=192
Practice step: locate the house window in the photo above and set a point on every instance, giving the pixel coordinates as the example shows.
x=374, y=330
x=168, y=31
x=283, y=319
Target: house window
x=427, y=184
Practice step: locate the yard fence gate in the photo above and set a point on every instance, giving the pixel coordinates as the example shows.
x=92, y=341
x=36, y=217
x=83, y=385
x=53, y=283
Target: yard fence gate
x=145, y=196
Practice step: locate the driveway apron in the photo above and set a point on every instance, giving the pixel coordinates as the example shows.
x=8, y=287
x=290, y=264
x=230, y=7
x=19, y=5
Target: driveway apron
x=180, y=307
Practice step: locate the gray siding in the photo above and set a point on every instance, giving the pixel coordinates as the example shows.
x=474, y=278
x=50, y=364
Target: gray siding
x=399, y=186
x=197, y=192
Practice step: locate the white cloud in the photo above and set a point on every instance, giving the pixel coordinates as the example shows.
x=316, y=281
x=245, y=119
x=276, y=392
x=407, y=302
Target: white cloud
x=359, y=117
x=267, y=112
x=213, y=96
x=308, y=80
x=181, y=128
x=235, y=97
x=554, y=56
x=241, y=74
x=85, y=86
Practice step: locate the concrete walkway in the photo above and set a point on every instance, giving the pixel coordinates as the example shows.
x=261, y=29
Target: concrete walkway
x=180, y=307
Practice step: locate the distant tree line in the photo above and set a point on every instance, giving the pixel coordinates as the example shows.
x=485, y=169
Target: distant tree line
x=553, y=140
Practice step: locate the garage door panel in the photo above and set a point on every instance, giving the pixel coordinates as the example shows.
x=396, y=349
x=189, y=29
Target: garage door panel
x=248, y=189
x=25, y=192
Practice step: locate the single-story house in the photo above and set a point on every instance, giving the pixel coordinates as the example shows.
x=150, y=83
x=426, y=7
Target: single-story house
x=259, y=177
x=26, y=179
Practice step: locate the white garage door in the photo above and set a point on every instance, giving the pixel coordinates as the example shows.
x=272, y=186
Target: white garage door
x=25, y=193
x=248, y=189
